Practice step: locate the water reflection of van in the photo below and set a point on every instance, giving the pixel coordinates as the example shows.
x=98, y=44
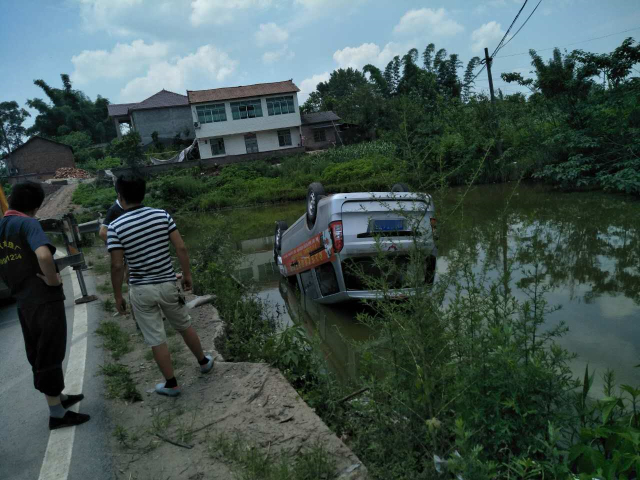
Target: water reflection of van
x=334, y=326
x=341, y=234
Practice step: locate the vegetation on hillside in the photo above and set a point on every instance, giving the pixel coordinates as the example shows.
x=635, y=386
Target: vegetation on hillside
x=577, y=128
x=362, y=167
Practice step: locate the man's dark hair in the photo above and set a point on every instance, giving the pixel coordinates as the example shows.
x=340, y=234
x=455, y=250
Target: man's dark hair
x=26, y=197
x=132, y=188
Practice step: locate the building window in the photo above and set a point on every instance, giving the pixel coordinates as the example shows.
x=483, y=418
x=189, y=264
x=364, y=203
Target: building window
x=319, y=135
x=211, y=113
x=217, y=146
x=246, y=109
x=251, y=142
x=280, y=105
x=284, y=138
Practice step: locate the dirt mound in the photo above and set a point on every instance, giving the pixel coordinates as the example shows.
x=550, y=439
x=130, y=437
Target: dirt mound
x=69, y=172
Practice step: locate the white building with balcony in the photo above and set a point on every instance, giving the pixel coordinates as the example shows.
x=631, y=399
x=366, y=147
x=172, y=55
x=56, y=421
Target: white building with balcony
x=251, y=119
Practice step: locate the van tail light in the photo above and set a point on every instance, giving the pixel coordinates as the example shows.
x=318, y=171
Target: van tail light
x=336, y=233
x=434, y=222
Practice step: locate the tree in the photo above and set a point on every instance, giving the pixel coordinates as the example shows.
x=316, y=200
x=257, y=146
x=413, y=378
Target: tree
x=615, y=67
x=127, y=149
x=396, y=72
x=427, y=57
x=377, y=78
x=468, y=81
x=69, y=111
x=313, y=103
x=12, y=131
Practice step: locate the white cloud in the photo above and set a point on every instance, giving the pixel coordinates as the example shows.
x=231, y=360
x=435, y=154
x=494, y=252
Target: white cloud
x=207, y=64
x=308, y=85
x=152, y=18
x=221, y=11
x=103, y=14
x=122, y=60
x=270, y=33
x=488, y=35
x=326, y=5
x=428, y=21
x=358, y=57
x=273, y=56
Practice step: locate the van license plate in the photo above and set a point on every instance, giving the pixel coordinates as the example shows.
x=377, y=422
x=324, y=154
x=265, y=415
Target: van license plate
x=388, y=225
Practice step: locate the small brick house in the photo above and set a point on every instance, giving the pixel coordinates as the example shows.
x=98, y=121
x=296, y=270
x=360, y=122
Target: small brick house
x=38, y=159
x=321, y=130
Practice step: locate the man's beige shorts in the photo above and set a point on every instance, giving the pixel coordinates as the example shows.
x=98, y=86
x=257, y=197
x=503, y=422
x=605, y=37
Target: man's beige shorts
x=150, y=302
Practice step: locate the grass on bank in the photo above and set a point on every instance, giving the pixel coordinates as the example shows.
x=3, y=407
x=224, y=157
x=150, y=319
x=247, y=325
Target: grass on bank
x=115, y=339
x=254, y=463
x=119, y=383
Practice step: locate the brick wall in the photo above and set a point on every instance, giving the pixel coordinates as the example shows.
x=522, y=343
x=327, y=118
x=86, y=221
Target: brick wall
x=309, y=140
x=42, y=158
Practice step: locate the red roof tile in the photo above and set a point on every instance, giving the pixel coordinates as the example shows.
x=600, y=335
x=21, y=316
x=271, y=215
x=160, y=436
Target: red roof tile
x=244, y=91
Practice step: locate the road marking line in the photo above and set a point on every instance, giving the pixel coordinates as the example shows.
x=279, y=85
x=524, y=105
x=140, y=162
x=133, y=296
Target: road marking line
x=57, y=458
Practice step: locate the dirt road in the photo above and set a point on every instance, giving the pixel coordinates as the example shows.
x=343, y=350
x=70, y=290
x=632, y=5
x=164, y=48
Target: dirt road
x=58, y=203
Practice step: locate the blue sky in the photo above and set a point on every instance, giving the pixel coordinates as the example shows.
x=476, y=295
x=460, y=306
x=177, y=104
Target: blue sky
x=126, y=50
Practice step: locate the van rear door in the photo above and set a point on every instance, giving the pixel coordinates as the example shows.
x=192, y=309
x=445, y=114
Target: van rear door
x=392, y=219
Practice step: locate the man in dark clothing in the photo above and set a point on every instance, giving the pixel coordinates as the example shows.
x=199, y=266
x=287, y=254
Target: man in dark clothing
x=113, y=213
x=28, y=268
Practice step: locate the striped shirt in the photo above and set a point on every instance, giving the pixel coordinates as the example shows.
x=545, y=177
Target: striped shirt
x=143, y=234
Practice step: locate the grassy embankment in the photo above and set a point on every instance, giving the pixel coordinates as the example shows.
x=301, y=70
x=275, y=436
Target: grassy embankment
x=477, y=381
x=364, y=167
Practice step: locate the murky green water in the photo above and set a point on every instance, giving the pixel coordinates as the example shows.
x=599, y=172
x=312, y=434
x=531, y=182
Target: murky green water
x=586, y=246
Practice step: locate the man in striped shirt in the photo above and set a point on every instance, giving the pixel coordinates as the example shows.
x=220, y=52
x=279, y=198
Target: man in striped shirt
x=141, y=236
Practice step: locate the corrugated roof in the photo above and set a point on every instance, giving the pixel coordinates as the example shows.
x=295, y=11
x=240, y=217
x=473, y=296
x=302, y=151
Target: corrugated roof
x=243, y=91
x=319, y=117
x=162, y=99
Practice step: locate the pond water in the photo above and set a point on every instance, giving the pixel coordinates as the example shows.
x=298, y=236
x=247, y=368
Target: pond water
x=585, y=245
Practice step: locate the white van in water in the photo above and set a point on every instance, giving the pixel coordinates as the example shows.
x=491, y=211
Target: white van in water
x=341, y=234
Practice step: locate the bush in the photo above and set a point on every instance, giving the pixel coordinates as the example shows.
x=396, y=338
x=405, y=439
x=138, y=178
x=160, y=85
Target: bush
x=106, y=163
x=94, y=197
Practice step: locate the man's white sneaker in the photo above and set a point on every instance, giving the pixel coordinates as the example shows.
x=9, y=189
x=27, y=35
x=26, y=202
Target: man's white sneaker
x=207, y=367
x=169, y=392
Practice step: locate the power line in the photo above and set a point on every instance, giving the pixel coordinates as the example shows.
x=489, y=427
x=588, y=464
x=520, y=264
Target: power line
x=477, y=74
x=500, y=45
x=525, y=22
x=510, y=27
x=570, y=44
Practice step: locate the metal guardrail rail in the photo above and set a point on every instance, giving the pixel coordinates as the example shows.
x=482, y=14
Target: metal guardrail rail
x=72, y=232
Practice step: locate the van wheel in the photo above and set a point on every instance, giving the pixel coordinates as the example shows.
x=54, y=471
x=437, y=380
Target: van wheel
x=314, y=194
x=281, y=226
x=400, y=187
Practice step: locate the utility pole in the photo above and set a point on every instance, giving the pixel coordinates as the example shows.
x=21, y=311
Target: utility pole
x=488, y=61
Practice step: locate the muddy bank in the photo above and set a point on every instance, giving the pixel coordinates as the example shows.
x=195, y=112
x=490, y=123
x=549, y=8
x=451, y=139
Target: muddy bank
x=161, y=437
